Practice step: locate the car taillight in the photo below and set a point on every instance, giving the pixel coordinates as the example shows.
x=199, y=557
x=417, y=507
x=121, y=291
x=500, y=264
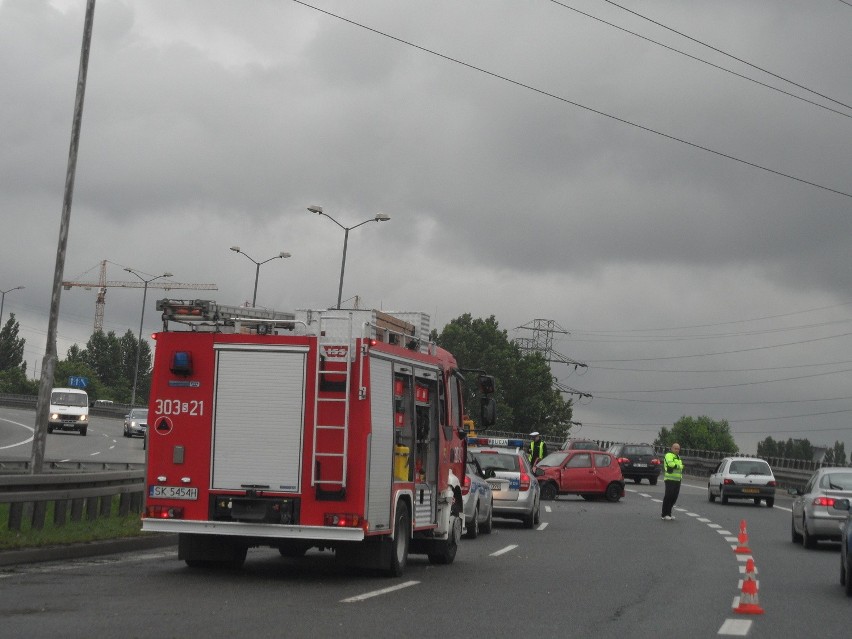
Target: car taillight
x=525, y=481
x=729, y=482
x=655, y=461
x=824, y=501
x=623, y=460
x=772, y=483
x=466, y=487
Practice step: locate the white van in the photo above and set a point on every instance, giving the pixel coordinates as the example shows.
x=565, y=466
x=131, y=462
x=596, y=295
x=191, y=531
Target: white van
x=69, y=410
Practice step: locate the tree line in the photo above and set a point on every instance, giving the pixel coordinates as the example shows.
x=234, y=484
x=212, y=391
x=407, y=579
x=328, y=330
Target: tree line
x=107, y=362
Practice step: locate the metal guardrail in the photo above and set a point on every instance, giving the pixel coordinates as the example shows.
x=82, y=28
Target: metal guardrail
x=90, y=492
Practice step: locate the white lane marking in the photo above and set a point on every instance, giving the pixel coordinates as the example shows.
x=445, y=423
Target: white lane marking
x=644, y=495
x=743, y=558
x=542, y=526
x=732, y=538
x=735, y=627
x=693, y=514
x=383, y=591
x=111, y=447
x=725, y=532
x=716, y=526
x=93, y=454
x=704, y=520
x=547, y=509
x=789, y=510
x=64, y=460
x=503, y=551
x=26, y=441
x=659, y=501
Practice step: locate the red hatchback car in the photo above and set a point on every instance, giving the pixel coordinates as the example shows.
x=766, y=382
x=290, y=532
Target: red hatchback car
x=588, y=473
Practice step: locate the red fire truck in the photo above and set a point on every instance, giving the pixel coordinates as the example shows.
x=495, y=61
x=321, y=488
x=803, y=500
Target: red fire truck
x=334, y=429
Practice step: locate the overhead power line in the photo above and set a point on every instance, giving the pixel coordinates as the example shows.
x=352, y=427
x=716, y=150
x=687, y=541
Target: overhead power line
x=697, y=59
x=725, y=53
x=576, y=104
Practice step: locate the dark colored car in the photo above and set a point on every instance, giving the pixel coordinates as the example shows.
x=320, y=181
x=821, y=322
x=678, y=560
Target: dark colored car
x=845, y=545
x=637, y=461
x=588, y=473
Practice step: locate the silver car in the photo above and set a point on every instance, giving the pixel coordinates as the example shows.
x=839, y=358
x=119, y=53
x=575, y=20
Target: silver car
x=814, y=515
x=742, y=478
x=136, y=422
x=477, y=500
x=513, y=485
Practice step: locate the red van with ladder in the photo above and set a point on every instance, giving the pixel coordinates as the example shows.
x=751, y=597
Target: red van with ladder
x=334, y=429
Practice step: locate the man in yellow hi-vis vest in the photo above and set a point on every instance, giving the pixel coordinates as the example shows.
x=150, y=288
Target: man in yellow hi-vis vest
x=538, y=448
x=673, y=469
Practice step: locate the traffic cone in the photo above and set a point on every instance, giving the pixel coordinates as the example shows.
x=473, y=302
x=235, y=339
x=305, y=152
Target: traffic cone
x=742, y=540
x=748, y=597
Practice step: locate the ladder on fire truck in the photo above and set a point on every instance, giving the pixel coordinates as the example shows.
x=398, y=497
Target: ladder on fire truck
x=333, y=350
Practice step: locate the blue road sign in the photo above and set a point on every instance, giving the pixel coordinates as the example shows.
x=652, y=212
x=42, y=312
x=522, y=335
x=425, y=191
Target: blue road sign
x=77, y=381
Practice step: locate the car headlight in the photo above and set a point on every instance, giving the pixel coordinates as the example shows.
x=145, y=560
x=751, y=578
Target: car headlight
x=83, y=418
x=54, y=416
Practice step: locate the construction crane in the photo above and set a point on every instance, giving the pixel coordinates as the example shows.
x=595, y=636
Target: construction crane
x=102, y=284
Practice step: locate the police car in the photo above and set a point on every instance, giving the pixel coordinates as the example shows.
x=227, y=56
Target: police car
x=507, y=470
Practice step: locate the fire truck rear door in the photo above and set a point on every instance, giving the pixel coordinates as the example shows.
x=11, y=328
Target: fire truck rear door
x=259, y=416
x=381, y=444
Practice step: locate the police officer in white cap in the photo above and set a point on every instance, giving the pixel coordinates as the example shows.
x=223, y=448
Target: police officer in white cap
x=538, y=448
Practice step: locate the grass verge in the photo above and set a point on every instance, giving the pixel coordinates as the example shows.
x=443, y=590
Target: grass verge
x=113, y=527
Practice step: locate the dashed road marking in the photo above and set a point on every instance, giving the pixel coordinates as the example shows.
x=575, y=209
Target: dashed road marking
x=503, y=551
x=543, y=525
x=383, y=591
x=735, y=627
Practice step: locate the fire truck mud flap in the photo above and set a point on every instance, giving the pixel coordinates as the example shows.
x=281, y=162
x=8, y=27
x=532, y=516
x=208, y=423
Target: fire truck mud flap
x=212, y=551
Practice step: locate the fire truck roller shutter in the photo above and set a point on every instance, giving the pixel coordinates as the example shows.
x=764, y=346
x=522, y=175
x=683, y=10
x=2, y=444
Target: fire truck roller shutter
x=259, y=416
x=381, y=444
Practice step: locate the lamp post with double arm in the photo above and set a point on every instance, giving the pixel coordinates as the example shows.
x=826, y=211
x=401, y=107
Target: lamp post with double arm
x=141, y=320
x=380, y=217
x=282, y=254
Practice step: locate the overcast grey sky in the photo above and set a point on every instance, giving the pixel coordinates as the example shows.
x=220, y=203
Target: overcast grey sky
x=536, y=163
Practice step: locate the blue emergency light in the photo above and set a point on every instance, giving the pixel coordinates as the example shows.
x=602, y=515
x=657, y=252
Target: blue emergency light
x=181, y=363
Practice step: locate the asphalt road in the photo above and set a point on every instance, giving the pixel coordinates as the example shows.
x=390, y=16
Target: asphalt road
x=103, y=443
x=592, y=569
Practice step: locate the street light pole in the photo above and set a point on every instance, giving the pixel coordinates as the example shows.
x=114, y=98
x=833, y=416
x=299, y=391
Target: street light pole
x=141, y=320
x=282, y=255
x=3, y=302
x=380, y=217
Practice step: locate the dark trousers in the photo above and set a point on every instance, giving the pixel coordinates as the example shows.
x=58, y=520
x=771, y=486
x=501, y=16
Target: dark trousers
x=669, y=499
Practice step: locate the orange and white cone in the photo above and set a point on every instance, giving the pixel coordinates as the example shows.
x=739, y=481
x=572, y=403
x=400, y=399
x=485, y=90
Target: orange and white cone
x=742, y=540
x=748, y=597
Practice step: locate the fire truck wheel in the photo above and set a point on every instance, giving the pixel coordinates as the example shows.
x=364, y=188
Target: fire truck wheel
x=445, y=551
x=401, y=539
